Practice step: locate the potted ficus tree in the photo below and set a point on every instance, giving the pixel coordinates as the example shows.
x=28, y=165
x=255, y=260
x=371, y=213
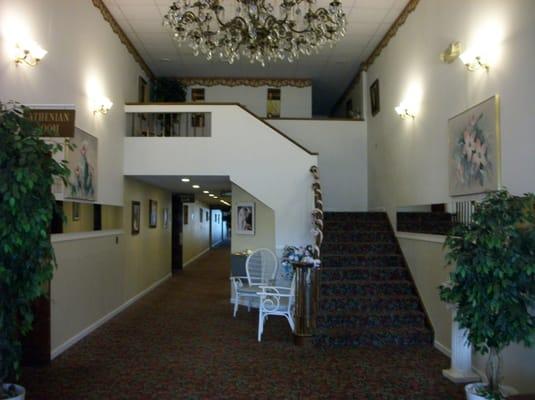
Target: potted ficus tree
x=27, y=170
x=493, y=285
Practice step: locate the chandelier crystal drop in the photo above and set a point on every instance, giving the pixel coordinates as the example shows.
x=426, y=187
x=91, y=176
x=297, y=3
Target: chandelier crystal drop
x=260, y=30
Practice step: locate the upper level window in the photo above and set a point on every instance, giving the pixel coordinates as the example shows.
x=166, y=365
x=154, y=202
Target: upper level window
x=274, y=103
x=197, y=94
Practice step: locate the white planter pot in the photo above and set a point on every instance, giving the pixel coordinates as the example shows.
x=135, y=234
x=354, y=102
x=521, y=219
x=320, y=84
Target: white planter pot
x=470, y=391
x=21, y=393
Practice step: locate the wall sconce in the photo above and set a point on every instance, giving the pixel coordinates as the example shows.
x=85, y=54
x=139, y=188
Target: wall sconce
x=102, y=105
x=474, y=61
x=29, y=53
x=405, y=111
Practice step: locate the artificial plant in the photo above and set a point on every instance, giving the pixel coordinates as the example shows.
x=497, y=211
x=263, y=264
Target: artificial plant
x=493, y=285
x=27, y=171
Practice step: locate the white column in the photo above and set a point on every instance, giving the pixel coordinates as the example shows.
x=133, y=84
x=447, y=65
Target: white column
x=461, y=354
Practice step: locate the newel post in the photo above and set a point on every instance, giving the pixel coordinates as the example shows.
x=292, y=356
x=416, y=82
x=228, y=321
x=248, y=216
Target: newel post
x=306, y=301
x=461, y=354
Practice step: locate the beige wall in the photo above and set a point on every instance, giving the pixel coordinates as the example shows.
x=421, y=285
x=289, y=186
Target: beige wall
x=98, y=274
x=408, y=160
x=264, y=236
x=196, y=234
x=148, y=254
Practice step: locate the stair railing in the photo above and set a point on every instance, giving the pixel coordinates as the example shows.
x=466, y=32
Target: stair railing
x=307, y=275
x=317, y=213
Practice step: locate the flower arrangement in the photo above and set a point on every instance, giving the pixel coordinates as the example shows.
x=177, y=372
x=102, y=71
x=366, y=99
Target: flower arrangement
x=471, y=153
x=295, y=254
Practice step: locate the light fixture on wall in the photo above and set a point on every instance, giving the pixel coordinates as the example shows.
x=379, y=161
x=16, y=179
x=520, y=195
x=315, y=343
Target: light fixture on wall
x=102, y=105
x=29, y=52
x=451, y=53
x=474, y=59
x=405, y=110
x=225, y=202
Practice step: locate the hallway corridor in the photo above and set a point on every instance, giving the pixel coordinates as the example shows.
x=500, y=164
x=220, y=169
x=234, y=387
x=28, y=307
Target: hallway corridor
x=181, y=342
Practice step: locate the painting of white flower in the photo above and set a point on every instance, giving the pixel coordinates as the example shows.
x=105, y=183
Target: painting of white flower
x=82, y=161
x=474, y=149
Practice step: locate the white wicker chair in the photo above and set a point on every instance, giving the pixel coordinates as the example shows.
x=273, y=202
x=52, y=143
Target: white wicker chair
x=261, y=268
x=276, y=300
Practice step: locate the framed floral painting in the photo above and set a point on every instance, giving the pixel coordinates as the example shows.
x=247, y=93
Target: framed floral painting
x=474, y=149
x=82, y=162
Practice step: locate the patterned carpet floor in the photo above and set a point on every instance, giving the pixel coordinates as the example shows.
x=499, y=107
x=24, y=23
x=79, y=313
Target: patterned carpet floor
x=181, y=342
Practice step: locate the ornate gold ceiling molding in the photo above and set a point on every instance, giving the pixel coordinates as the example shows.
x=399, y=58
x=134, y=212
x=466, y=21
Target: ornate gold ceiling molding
x=122, y=36
x=400, y=20
x=252, y=82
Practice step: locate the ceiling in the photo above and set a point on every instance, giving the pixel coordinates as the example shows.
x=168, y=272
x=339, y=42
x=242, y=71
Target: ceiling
x=214, y=184
x=331, y=70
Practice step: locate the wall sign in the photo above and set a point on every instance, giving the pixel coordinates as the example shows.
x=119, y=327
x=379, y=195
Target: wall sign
x=55, y=122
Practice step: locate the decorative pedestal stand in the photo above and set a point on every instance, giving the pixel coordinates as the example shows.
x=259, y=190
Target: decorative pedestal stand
x=461, y=354
x=306, y=299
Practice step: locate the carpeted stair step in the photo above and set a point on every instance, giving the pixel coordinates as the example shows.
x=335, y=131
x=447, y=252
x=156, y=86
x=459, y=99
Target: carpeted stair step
x=365, y=273
x=357, y=236
x=368, y=304
x=334, y=260
x=357, y=226
x=352, y=248
x=378, y=337
x=352, y=320
x=355, y=216
x=366, y=288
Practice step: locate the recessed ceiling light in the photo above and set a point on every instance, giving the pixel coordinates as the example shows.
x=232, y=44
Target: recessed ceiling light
x=215, y=197
x=224, y=202
x=185, y=179
x=211, y=195
x=205, y=191
x=195, y=186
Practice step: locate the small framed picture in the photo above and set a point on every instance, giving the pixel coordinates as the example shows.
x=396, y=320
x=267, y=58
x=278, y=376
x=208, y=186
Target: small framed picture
x=375, y=101
x=165, y=218
x=75, y=211
x=201, y=212
x=185, y=215
x=136, y=216
x=153, y=213
x=245, y=219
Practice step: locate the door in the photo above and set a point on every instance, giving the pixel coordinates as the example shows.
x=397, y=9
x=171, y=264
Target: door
x=176, y=228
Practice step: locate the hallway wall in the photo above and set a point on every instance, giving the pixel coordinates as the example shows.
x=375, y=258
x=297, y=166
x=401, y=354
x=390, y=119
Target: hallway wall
x=264, y=236
x=196, y=234
x=101, y=272
x=407, y=159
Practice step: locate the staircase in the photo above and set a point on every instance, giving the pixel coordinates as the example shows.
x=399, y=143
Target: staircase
x=367, y=296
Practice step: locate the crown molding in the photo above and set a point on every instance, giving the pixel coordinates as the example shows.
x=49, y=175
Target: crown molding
x=400, y=20
x=252, y=82
x=122, y=37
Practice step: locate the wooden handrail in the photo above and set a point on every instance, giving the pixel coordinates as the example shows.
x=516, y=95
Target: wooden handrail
x=317, y=214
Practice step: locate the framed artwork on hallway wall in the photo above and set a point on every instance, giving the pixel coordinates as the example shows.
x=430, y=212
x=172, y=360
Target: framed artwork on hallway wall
x=82, y=163
x=474, y=149
x=75, y=211
x=153, y=213
x=165, y=218
x=136, y=217
x=375, y=101
x=245, y=219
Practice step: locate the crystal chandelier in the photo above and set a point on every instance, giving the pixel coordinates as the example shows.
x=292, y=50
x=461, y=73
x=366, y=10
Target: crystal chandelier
x=257, y=29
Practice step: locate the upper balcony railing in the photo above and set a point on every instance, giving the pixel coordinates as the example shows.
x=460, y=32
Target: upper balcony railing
x=181, y=124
